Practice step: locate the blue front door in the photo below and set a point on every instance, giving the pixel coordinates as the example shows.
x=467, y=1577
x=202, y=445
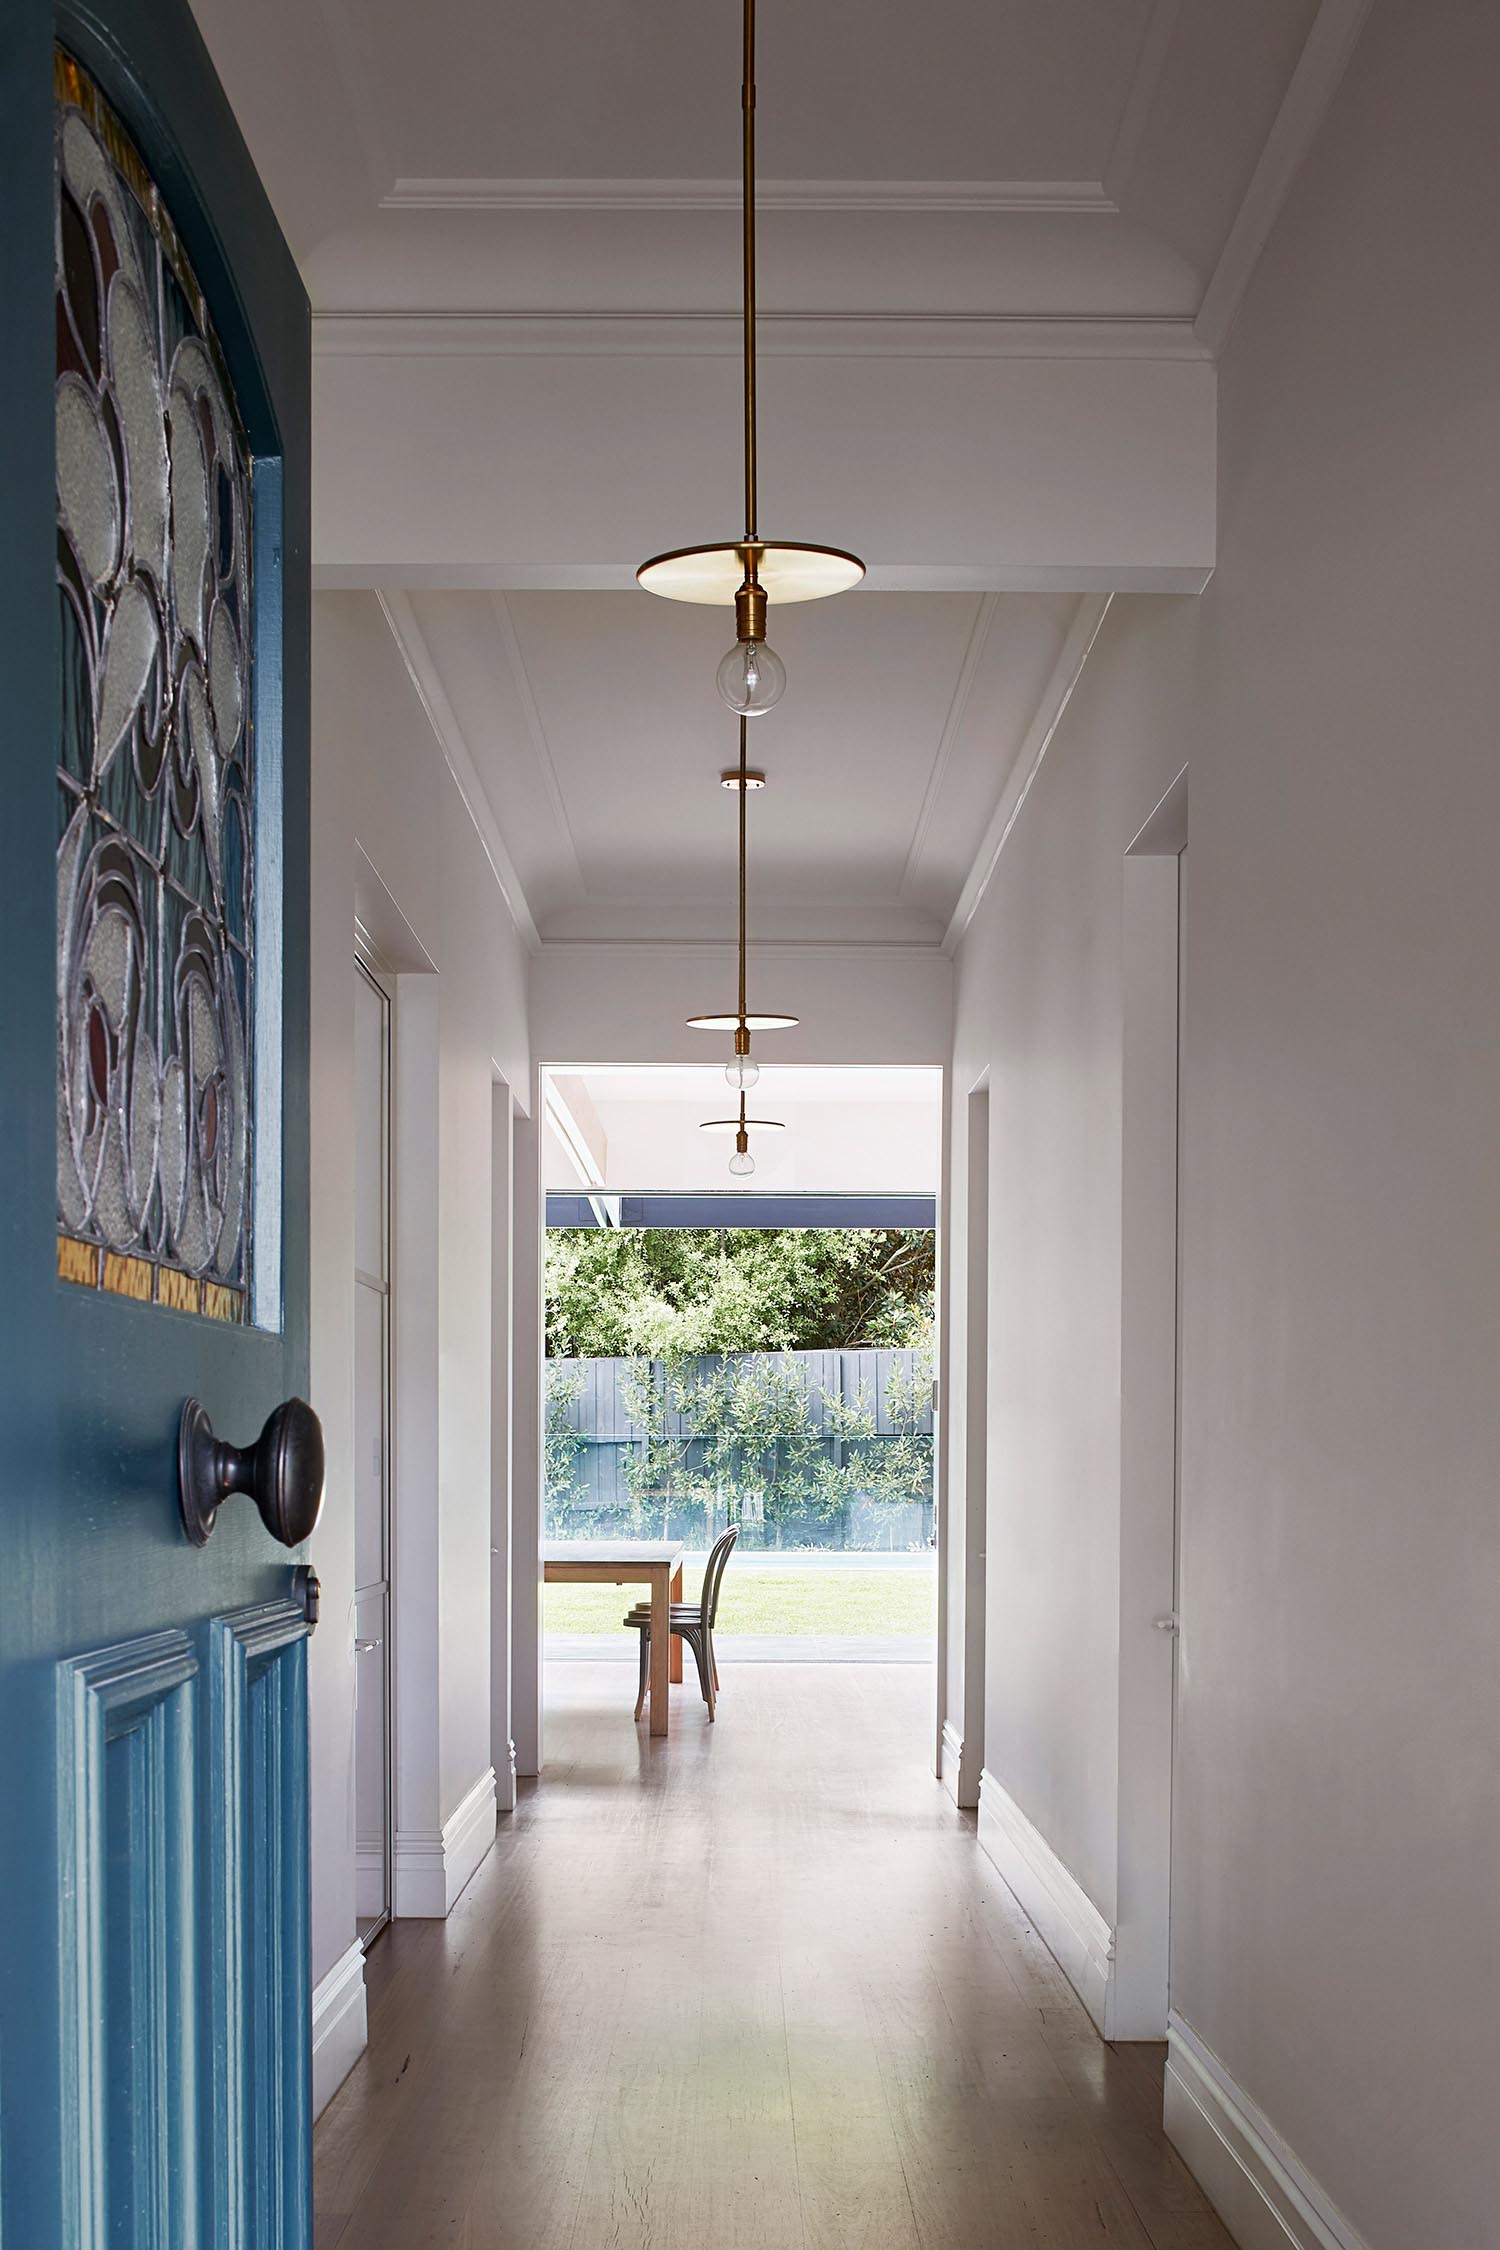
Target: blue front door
x=154, y=2069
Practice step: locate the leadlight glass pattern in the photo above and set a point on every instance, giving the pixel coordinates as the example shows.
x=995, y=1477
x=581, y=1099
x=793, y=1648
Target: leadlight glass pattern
x=155, y=768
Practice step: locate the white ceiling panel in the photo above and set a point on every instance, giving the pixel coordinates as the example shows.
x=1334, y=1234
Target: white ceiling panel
x=593, y=723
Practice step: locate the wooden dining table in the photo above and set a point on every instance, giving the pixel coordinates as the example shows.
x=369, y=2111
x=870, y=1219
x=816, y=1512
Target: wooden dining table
x=656, y=1563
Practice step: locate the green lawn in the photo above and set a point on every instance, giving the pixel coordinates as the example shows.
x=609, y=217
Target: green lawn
x=772, y=1601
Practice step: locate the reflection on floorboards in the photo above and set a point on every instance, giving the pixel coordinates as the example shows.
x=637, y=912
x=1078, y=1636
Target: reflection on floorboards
x=753, y=1987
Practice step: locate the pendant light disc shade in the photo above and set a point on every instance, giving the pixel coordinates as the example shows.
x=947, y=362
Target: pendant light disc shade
x=742, y=1124
x=788, y=572
x=732, y=1020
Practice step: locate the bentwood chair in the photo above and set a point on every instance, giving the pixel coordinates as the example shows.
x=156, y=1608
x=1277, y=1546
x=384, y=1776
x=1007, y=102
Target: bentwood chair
x=692, y=1622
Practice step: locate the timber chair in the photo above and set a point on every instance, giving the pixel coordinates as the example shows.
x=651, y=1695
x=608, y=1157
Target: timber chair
x=693, y=1622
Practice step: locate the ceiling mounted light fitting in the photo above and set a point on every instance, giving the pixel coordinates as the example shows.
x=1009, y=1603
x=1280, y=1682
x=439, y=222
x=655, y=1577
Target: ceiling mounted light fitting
x=751, y=572
x=742, y=1070
x=742, y=1163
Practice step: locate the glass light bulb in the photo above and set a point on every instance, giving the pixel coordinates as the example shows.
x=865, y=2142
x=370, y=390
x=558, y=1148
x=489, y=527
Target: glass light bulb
x=742, y=1164
x=752, y=678
x=741, y=1072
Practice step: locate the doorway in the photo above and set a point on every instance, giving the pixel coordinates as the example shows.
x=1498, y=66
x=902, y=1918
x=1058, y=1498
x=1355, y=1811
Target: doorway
x=372, y=1452
x=754, y=1360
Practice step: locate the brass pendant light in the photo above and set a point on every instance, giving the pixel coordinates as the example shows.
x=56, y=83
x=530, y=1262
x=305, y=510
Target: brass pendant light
x=742, y=1071
x=750, y=572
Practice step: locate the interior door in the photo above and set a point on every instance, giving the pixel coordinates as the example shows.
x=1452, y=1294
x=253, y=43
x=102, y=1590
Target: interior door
x=154, y=2038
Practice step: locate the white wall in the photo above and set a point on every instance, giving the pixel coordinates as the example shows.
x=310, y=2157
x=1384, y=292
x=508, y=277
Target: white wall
x=1334, y=695
x=865, y=1004
x=522, y=467
x=393, y=842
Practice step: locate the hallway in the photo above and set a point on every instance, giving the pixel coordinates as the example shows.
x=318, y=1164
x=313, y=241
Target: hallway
x=754, y=1986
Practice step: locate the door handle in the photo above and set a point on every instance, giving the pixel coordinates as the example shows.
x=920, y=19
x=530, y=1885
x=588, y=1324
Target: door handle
x=363, y=1648
x=1167, y=1624
x=282, y=1472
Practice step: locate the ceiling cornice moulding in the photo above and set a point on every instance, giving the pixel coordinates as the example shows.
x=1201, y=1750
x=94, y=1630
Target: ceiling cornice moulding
x=422, y=335
x=1088, y=620
x=724, y=195
x=1316, y=79
x=421, y=669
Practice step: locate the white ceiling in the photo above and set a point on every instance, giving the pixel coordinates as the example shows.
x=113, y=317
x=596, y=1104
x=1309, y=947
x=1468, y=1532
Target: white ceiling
x=497, y=157
x=848, y=1132
x=518, y=228
x=598, y=737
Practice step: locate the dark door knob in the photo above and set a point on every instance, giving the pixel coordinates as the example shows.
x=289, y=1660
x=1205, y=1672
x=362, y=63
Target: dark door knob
x=282, y=1472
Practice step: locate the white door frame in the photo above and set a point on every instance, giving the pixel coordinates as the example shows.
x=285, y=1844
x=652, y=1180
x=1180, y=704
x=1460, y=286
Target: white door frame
x=529, y=1236
x=976, y=1436
x=502, y=1346
x=965, y=1427
x=1151, y=979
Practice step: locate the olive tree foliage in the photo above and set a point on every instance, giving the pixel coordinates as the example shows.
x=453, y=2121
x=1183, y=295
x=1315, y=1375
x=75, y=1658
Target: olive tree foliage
x=729, y=1422
x=669, y=1292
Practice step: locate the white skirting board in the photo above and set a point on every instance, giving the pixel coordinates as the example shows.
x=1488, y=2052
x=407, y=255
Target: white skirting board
x=339, y=2031
x=505, y=1780
x=956, y=1771
x=434, y=1865
x=1059, y=1909
x=1263, y=2194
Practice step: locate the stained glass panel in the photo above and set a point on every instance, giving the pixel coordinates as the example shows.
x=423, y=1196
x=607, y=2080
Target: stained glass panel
x=155, y=766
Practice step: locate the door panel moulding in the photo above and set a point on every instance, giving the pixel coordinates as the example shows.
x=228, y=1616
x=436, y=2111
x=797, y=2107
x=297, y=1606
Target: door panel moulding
x=130, y=1707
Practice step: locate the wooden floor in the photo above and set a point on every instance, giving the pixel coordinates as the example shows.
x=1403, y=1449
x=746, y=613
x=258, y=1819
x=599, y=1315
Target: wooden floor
x=751, y=1988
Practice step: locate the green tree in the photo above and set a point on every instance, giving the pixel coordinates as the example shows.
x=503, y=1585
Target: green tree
x=666, y=1293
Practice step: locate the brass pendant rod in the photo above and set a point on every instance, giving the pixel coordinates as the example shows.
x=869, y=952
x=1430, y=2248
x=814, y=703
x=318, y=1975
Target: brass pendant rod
x=747, y=107
x=744, y=801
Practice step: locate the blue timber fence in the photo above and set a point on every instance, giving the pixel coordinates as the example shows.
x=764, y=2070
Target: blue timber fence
x=801, y=1449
